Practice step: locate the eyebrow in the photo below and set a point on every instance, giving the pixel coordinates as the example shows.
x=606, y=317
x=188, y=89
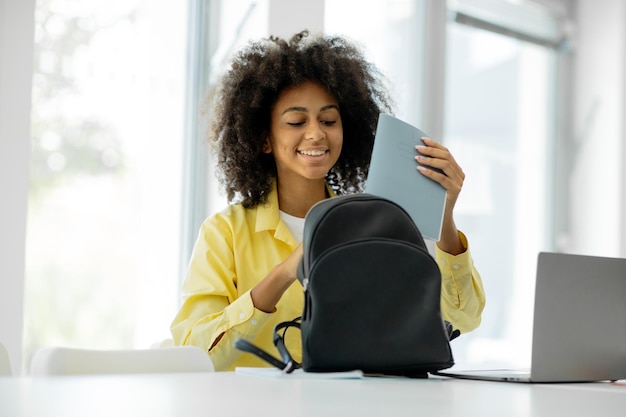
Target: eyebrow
x=304, y=109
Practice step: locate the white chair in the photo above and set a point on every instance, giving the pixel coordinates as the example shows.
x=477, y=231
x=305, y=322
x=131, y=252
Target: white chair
x=72, y=361
x=5, y=363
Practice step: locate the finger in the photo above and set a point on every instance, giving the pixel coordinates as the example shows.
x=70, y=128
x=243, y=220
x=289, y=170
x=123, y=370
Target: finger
x=437, y=176
x=440, y=158
x=435, y=153
x=432, y=143
x=434, y=147
x=452, y=184
x=443, y=166
x=430, y=163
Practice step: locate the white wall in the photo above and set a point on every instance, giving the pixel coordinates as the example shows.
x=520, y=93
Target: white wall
x=598, y=178
x=16, y=51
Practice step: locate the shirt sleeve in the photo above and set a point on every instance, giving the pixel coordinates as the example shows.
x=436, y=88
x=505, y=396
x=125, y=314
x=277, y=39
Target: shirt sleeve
x=462, y=293
x=213, y=314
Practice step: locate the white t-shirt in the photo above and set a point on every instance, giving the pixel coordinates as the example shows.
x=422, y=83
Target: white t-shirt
x=294, y=224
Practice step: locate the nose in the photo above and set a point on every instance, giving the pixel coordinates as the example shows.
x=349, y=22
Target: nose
x=314, y=131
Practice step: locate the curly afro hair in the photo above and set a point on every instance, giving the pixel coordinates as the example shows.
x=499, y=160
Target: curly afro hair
x=240, y=108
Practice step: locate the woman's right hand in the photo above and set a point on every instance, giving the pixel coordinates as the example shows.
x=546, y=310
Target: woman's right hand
x=290, y=265
x=266, y=294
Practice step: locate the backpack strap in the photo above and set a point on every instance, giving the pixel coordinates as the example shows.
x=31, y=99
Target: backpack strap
x=286, y=364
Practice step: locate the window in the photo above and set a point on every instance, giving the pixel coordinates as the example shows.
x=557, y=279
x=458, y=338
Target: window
x=218, y=29
x=104, y=205
x=499, y=120
x=496, y=77
x=120, y=179
x=392, y=39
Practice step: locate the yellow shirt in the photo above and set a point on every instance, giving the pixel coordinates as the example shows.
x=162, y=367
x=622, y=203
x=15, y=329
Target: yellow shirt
x=237, y=248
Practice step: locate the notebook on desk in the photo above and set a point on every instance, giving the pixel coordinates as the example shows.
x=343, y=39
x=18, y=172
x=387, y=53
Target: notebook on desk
x=579, y=323
x=393, y=174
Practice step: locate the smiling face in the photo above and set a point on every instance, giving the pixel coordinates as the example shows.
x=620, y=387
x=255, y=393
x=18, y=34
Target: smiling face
x=306, y=133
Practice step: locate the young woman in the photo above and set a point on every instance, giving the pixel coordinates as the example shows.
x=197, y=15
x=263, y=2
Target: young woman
x=293, y=123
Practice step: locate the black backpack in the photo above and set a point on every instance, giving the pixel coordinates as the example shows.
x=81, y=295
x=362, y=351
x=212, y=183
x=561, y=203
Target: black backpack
x=371, y=291
x=371, y=294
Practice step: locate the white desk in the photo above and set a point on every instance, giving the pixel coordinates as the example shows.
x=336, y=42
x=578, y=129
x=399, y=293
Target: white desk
x=230, y=394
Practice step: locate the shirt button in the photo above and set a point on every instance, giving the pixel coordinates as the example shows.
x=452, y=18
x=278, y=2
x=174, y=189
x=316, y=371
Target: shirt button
x=455, y=266
x=242, y=315
x=253, y=322
x=443, y=262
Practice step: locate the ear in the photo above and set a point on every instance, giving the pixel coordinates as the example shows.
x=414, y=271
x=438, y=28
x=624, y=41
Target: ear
x=267, y=146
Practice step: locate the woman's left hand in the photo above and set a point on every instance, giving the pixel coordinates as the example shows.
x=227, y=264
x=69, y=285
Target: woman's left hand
x=449, y=174
x=435, y=155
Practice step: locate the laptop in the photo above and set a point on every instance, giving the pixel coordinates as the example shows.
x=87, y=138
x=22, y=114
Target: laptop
x=579, y=323
x=393, y=174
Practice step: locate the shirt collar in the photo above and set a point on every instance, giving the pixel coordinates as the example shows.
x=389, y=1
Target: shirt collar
x=268, y=216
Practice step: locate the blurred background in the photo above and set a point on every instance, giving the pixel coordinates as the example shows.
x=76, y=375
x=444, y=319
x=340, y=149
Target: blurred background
x=105, y=176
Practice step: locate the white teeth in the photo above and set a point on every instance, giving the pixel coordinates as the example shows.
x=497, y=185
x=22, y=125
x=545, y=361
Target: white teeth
x=312, y=153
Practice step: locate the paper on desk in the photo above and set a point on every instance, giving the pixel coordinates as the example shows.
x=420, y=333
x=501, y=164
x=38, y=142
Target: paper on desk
x=297, y=374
